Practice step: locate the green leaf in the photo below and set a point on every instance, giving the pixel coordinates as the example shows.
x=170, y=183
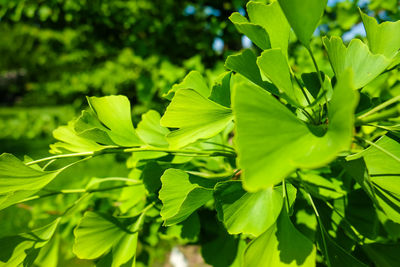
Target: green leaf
x=182, y=194
x=150, y=130
x=337, y=255
x=274, y=65
x=151, y=175
x=48, y=255
x=96, y=234
x=194, y=80
x=18, y=181
x=218, y=248
x=365, y=65
x=245, y=63
x=71, y=141
x=184, y=232
x=281, y=245
x=248, y=213
x=383, y=163
x=89, y=127
x=221, y=91
x=24, y=248
x=196, y=117
x=273, y=20
x=303, y=16
x=382, y=38
x=114, y=112
x=257, y=34
x=272, y=142
x=322, y=187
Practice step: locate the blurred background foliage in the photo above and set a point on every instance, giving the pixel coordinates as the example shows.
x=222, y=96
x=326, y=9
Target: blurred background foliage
x=53, y=53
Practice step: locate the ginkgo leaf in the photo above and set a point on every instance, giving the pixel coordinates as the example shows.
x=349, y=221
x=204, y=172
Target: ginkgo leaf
x=274, y=65
x=271, y=18
x=150, y=130
x=383, y=163
x=245, y=63
x=303, y=16
x=256, y=33
x=221, y=91
x=382, y=38
x=96, y=234
x=272, y=142
x=248, y=213
x=24, y=248
x=71, y=141
x=338, y=256
x=182, y=194
x=114, y=112
x=196, y=117
x=194, y=80
x=281, y=245
x=356, y=56
x=18, y=181
x=89, y=127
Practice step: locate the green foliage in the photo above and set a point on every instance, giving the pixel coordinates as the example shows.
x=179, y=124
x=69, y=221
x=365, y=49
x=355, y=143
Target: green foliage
x=289, y=157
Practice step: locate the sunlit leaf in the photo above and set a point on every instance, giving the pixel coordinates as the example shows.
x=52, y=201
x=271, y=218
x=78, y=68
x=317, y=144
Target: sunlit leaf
x=382, y=38
x=356, y=55
x=273, y=20
x=245, y=63
x=257, y=34
x=194, y=80
x=18, y=181
x=249, y=213
x=196, y=117
x=97, y=234
x=24, y=248
x=274, y=65
x=71, y=141
x=303, y=16
x=150, y=130
x=281, y=245
x=114, y=112
x=221, y=91
x=181, y=194
x=272, y=142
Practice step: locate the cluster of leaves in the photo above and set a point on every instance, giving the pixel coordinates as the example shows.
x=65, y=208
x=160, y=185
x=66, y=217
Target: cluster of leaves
x=268, y=165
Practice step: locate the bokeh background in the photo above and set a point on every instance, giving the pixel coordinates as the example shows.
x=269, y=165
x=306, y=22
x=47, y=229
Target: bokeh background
x=54, y=53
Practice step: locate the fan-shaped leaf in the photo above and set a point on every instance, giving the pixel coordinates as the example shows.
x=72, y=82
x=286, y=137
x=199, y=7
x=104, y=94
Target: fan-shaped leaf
x=182, y=194
x=303, y=16
x=248, y=213
x=272, y=142
x=114, y=112
x=257, y=34
x=382, y=38
x=271, y=18
x=281, y=245
x=356, y=56
x=196, y=117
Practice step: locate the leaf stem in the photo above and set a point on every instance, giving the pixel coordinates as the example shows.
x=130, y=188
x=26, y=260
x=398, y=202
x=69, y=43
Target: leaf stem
x=301, y=88
x=380, y=106
x=285, y=196
x=89, y=153
x=357, y=234
x=318, y=73
x=200, y=153
x=321, y=227
x=75, y=191
x=380, y=148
